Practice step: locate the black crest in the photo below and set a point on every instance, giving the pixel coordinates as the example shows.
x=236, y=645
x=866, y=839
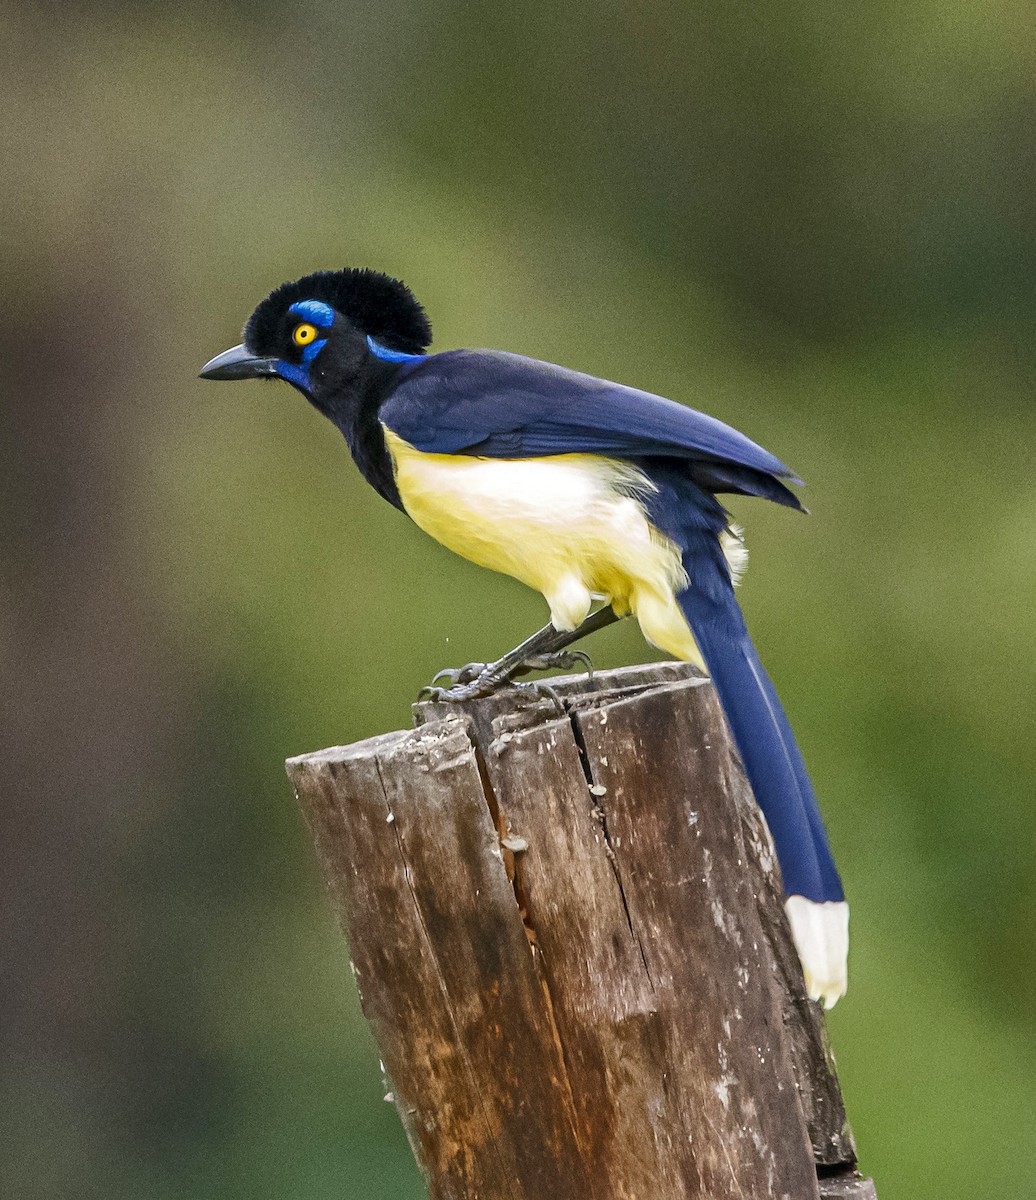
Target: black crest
x=375, y=303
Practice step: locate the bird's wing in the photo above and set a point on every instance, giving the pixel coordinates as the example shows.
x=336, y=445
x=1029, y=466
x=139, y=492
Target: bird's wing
x=487, y=403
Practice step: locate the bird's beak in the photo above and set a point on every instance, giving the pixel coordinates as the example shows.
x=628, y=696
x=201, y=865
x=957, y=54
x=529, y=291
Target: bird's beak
x=238, y=364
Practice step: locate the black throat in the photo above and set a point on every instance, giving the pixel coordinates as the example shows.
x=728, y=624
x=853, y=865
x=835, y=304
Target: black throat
x=357, y=418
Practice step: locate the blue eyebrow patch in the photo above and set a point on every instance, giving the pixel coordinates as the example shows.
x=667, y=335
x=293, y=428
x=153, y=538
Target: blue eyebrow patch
x=387, y=355
x=316, y=311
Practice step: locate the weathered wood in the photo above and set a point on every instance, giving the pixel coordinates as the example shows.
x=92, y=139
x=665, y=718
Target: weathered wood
x=847, y=1187
x=567, y=930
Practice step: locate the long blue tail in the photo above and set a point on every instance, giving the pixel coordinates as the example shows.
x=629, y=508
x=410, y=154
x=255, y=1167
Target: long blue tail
x=764, y=740
x=694, y=519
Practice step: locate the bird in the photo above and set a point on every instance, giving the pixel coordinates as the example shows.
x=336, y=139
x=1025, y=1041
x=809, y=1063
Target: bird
x=584, y=490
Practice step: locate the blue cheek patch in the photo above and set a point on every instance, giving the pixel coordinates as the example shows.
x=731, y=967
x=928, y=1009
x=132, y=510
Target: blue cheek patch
x=312, y=350
x=316, y=311
x=296, y=373
x=387, y=355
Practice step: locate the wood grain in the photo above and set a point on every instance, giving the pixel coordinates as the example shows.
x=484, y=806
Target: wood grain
x=566, y=925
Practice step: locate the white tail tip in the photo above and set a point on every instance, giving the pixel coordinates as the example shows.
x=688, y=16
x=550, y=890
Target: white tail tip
x=821, y=935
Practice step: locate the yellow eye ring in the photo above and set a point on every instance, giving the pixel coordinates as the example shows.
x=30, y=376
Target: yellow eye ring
x=304, y=334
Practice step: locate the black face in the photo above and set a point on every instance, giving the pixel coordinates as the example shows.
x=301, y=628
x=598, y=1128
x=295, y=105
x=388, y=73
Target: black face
x=374, y=303
x=313, y=331
x=339, y=337
x=314, y=348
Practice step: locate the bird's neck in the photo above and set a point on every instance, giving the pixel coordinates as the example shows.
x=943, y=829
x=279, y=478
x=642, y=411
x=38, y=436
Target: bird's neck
x=357, y=418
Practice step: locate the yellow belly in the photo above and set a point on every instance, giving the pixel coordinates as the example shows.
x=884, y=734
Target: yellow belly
x=570, y=526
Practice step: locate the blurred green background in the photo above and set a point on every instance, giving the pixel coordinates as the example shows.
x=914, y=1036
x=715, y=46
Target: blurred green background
x=816, y=223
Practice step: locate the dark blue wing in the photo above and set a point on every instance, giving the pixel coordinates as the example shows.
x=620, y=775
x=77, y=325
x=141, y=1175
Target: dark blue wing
x=487, y=403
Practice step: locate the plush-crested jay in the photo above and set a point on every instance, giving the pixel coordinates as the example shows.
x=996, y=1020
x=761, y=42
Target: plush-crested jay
x=583, y=490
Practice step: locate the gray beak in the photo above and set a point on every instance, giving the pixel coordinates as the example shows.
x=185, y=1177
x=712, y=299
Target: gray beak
x=238, y=364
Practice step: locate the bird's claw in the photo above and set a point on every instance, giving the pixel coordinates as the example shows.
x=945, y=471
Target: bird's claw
x=562, y=660
x=472, y=689
x=542, y=691
x=485, y=685
x=476, y=680
x=456, y=675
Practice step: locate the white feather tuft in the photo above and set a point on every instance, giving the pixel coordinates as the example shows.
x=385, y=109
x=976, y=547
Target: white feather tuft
x=732, y=539
x=821, y=935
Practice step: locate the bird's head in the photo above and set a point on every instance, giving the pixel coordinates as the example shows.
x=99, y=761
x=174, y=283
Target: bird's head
x=323, y=332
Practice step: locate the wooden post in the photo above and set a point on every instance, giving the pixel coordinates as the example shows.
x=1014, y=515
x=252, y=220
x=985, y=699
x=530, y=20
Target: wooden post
x=567, y=930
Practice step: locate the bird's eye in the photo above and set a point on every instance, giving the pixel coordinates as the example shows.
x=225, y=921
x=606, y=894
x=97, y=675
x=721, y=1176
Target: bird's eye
x=304, y=334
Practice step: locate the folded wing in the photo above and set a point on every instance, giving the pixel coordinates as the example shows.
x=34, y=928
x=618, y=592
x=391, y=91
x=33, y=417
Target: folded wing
x=496, y=405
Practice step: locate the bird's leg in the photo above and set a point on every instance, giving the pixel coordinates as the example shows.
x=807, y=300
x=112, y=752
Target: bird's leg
x=542, y=652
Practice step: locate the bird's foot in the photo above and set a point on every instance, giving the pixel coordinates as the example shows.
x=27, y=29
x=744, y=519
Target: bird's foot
x=464, y=685
x=541, y=691
x=486, y=684
x=562, y=660
x=458, y=675
x=475, y=680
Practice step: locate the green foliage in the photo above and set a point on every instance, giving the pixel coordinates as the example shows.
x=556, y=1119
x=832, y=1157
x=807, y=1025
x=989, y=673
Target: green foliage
x=815, y=225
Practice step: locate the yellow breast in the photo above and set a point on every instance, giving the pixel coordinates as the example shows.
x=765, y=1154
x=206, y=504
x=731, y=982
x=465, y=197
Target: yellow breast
x=569, y=525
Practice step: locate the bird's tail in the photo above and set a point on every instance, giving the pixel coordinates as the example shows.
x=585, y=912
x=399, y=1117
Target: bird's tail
x=816, y=907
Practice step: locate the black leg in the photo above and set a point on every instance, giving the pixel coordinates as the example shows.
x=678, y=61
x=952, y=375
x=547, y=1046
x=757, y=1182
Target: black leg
x=535, y=653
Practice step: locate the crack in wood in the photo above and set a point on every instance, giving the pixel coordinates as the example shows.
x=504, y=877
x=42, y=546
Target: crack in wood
x=591, y=782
